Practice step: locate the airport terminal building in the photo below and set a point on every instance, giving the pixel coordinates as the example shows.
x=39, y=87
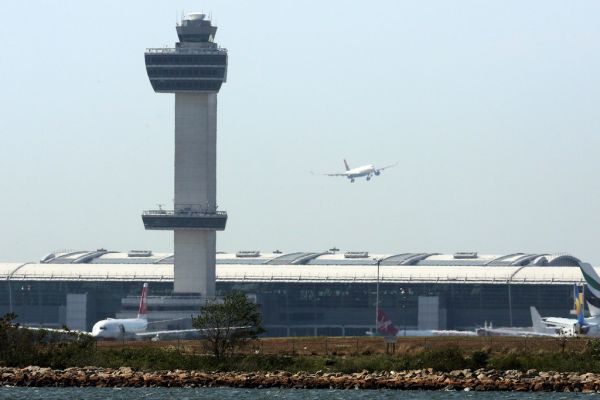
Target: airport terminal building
x=302, y=293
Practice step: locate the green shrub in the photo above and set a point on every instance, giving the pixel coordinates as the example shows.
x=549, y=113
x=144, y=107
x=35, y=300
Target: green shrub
x=479, y=359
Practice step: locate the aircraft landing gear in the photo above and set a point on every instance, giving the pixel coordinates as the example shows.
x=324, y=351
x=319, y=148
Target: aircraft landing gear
x=352, y=180
x=368, y=178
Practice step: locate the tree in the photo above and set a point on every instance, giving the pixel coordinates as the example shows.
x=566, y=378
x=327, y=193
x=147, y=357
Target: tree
x=229, y=323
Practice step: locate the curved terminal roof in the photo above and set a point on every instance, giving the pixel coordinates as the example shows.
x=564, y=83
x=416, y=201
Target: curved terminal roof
x=254, y=266
x=255, y=257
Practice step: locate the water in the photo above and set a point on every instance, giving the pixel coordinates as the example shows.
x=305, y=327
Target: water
x=247, y=394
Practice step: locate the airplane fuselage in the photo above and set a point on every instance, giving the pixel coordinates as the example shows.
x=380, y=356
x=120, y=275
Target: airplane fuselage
x=570, y=326
x=365, y=170
x=118, y=328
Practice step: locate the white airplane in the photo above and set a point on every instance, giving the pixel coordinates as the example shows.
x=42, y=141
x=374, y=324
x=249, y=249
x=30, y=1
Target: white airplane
x=558, y=326
x=137, y=328
x=112, y=328
x=592, y=281
x=573, y=326
x=366, y=170
x=541, y=327
x=580, y=326
x=385, y=327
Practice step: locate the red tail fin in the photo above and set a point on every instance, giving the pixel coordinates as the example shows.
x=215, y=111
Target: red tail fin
x=346, y=165
x=384, y=324
x=143, y=310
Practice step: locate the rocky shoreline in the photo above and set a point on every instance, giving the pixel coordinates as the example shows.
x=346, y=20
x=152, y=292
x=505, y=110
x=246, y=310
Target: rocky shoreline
x=478, y=380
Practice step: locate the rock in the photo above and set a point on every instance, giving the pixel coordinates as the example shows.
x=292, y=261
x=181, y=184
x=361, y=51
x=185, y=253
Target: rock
x=466, y=380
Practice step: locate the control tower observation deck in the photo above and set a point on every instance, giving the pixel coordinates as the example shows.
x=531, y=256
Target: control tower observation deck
x=194, y=71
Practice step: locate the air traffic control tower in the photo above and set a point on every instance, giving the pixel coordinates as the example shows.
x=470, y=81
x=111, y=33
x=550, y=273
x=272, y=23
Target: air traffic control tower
x=194, y=71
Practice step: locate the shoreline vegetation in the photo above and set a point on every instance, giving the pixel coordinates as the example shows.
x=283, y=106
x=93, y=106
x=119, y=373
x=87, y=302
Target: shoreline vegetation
x=83, y=363
x=45, y=358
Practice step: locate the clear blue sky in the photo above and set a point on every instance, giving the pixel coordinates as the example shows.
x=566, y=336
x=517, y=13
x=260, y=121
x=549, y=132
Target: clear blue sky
x=492, y=110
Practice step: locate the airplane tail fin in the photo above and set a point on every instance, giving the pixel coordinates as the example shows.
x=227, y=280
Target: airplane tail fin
x=536, y=320
x=579, y=306
x=591, y=278
x=143, y=310
x=346, y=165
x=385, y=326
x=592, y=281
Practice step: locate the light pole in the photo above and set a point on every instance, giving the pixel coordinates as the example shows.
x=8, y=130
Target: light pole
x=378, y=260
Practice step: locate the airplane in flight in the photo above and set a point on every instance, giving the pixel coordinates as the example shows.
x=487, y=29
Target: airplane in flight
x=367, y=171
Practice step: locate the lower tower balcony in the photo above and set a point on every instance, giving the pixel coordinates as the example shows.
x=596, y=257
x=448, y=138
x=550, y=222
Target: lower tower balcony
x=184, y=219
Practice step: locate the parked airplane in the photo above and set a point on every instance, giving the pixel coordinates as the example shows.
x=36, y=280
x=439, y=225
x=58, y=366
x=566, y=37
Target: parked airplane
x=366, y=170
x=581, y=325
x=553, y=326
x=385, y=327
x=592, y=295
x=117, y=328
x=539, y=328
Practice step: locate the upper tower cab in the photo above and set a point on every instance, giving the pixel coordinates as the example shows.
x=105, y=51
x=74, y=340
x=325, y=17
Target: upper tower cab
x=196, y=64
x=195, y=28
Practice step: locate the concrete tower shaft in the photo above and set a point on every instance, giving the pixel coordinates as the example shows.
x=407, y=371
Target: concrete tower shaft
x=195, y=151
x=194, y=71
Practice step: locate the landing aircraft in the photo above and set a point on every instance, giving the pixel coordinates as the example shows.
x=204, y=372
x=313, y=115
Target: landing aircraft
x=366, y=170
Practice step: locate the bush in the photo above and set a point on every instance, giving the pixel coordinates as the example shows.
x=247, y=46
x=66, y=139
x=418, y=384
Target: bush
x=479, y=359
x=504, y=362
x=446, y=359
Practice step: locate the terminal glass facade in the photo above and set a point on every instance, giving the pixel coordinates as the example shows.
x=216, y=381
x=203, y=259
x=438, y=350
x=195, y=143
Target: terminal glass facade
x=306, y=309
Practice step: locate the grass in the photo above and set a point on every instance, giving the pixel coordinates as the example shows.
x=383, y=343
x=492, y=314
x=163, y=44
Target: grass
x=347, y=355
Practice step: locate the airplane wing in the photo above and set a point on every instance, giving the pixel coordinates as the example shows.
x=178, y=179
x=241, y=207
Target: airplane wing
x=162, y=321
x=513, y=332
x=183, y=333
x=180, y=333
x=332, y=174
x=56, y=331
x=387, y=166
x=558, y=321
